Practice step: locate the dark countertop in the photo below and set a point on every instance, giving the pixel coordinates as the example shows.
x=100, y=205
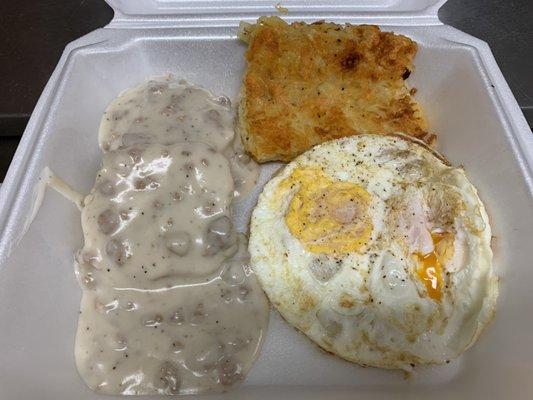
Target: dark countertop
x=34, y=34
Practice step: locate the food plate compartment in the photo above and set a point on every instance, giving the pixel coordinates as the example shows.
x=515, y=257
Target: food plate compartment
x=469, y=106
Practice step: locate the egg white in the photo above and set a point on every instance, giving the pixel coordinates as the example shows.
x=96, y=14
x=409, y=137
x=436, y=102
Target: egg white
x=370, y=307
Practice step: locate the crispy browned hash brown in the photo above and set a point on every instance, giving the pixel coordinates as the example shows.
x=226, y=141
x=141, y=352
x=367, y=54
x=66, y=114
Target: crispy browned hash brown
x=305, y=84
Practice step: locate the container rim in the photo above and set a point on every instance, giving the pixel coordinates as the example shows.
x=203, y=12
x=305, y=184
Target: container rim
x=160, y=13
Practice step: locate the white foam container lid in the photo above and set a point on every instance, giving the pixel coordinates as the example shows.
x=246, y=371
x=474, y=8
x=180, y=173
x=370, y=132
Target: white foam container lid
x=468, y=103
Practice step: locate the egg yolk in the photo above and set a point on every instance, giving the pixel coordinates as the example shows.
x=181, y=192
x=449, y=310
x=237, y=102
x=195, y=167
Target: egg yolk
x=430, y=265
x=328, y=217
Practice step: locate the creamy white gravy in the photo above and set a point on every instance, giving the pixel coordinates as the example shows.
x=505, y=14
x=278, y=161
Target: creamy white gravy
x=167, y=112
x=170, y=304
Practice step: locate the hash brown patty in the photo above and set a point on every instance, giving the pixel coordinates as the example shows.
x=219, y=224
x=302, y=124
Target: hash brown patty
x=306, y=84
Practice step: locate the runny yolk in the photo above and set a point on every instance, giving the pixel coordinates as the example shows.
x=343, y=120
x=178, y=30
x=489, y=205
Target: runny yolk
x=430, y=269
x=430, y=272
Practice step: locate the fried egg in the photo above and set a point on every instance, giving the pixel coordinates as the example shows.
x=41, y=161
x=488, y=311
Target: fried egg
x=378, y=250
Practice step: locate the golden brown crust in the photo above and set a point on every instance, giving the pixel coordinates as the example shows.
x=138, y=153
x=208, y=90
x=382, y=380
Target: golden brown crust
x=306, y=84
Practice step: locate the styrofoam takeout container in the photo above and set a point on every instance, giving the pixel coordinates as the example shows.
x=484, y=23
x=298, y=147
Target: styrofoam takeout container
x=469, y=106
